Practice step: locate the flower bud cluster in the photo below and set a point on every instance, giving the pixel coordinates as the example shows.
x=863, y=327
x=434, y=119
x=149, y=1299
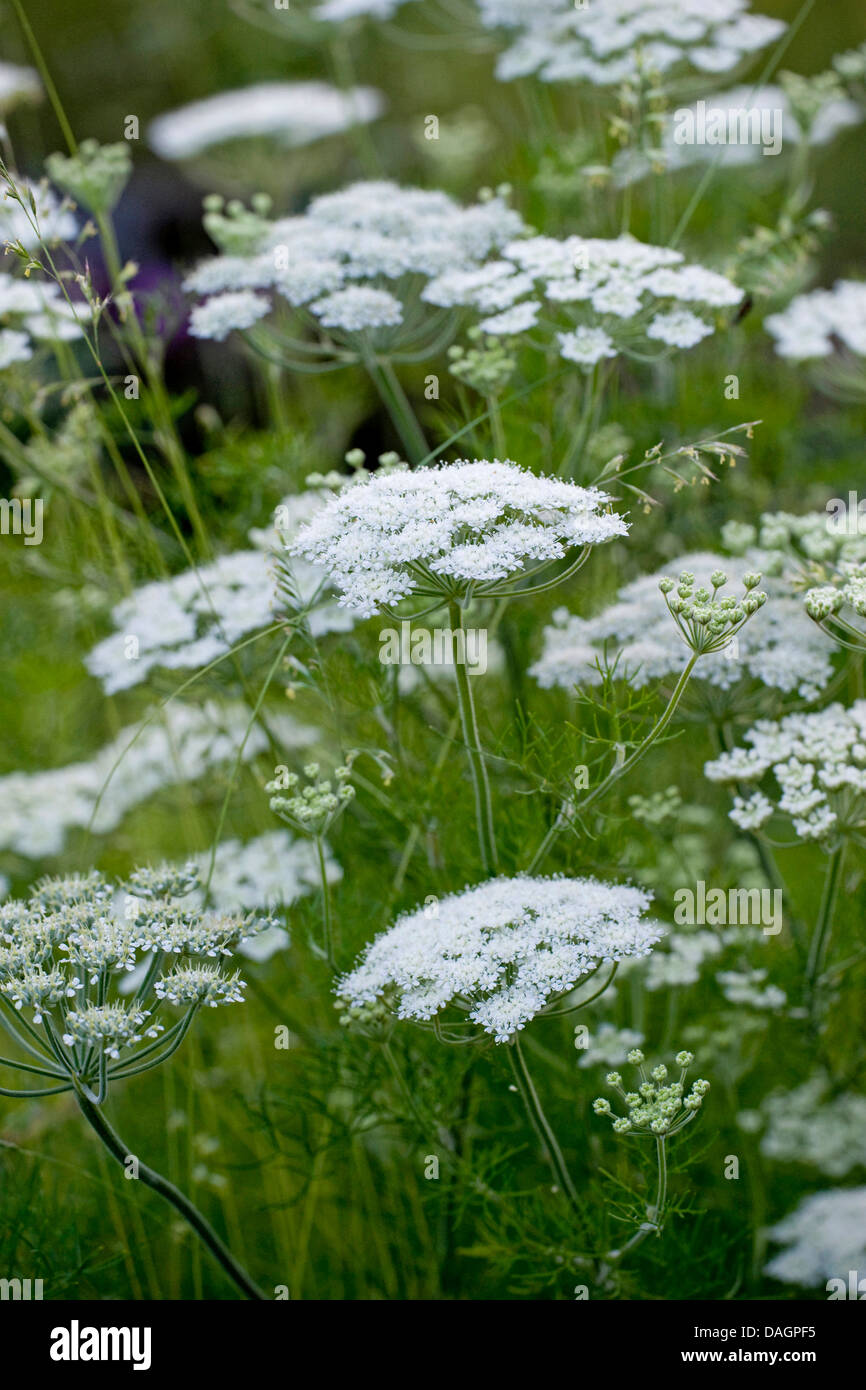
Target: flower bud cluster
x=313, y=808
x=659, y=1106
x=706, y=622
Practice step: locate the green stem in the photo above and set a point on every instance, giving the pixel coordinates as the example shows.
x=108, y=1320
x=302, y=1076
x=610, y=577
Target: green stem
x=538, y=1119
x=394, y=398
x=326, y=903
x=497, y=432
x=662, y=1194
x=471, y=738
x=158, y=1183
x=823, y=927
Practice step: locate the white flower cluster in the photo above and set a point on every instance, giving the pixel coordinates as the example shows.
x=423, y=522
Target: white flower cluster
x=608, y=43
x=778, y=646
x=607, y=295
x=807, y=1125
x=293, y=113
x=62, y=951
x=604, y=43
x=502, y=951
x=448, y=529
x=813, y=325
x=348, y=260
x=195, y=617
x=825, y=1238
x=34, y=309
x=39, y=809
x=819, y=763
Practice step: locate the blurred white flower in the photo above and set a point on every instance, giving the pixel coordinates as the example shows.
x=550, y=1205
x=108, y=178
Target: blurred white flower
x=294, y=113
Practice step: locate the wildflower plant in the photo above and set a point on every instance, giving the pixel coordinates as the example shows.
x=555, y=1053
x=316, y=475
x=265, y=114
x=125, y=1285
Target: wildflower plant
x=452, y=534
x=658, y=1108
x=312, y=810
x=63, y=956
x=494, y=957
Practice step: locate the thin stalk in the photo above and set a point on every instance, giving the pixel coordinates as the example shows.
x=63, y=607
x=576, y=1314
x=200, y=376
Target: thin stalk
x=538, y=1119
x=579, y=438
x=469, y=724
x=327, y=921
x=203, y=1229
x=394, y=399
x=497, y=432
x=653, y=1223
x=823, y=927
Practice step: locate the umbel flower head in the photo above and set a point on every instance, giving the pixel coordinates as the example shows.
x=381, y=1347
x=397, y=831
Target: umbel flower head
x=312, y=809
x=603, y=296
x=450, y=532
x=818, y=763
x=291, y=113
x=64, y=953
x=659, y=1106
x=777, y=646
x=607, y=43
x=501, y=952
x=197, y=616
x=350, y=265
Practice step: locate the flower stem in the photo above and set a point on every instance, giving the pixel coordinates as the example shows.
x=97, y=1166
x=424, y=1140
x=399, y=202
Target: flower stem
x=469, y=723
x=326, y=903
x=203, y=1229
x=821, y=935
x=538, y=1119
x=394, y=398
